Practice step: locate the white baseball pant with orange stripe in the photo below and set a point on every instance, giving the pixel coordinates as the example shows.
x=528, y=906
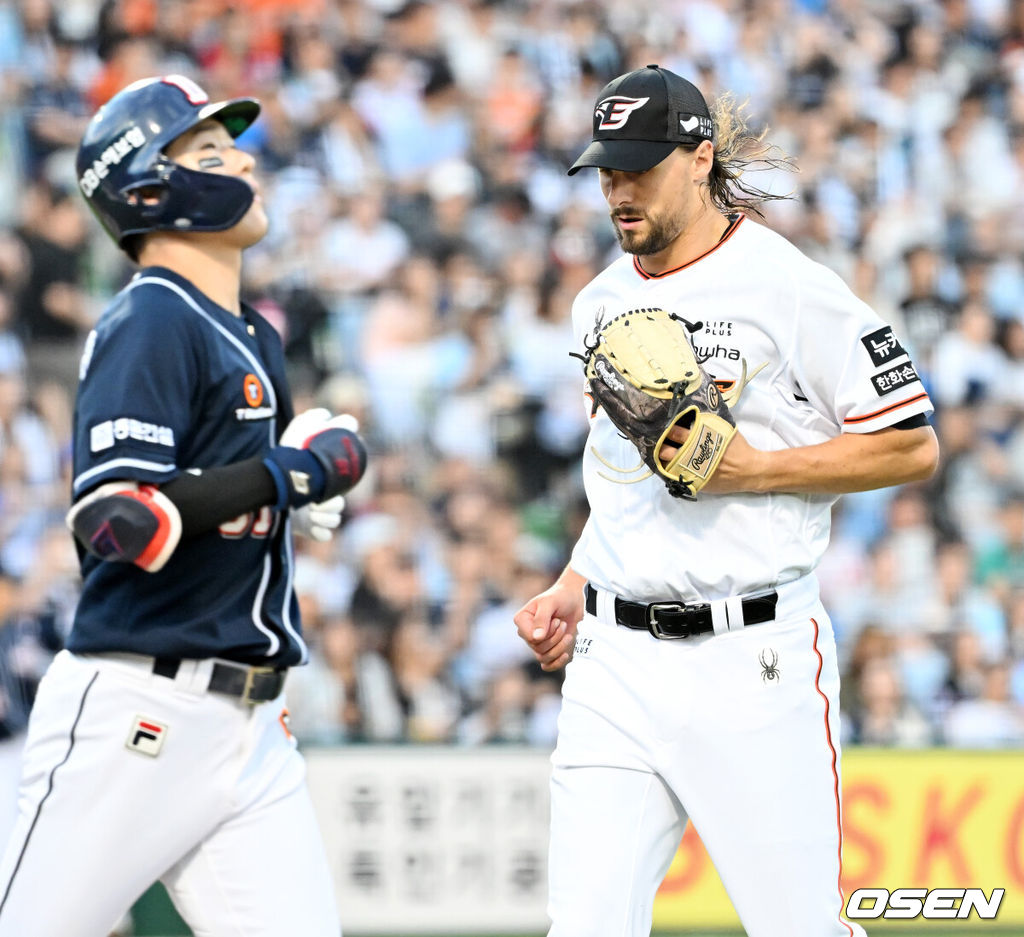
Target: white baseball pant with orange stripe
x=708, y=730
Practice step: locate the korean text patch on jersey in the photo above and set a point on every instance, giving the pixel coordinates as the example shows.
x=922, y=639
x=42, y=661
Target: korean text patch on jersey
x=104, y=435
x=883, y=346
x=886, y=382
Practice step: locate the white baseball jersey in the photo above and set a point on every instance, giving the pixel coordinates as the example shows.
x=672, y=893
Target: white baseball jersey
x=828, y=365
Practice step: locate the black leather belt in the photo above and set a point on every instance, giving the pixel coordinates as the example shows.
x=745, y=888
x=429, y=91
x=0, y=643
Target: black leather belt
x=672, y=620
x=252, y=684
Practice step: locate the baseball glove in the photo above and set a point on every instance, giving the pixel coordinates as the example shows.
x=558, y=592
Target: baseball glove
x=642, y=369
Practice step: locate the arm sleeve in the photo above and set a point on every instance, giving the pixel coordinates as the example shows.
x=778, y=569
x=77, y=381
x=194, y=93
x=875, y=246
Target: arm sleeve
x=851, y=364
x=206, y=499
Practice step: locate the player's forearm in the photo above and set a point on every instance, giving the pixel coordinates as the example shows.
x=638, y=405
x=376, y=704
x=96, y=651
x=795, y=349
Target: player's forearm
x=850, y=462
x=207, y=499
x=571, y=581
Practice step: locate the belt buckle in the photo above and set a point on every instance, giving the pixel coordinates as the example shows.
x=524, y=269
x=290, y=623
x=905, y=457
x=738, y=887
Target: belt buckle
x=250, y=680
x=654, y=627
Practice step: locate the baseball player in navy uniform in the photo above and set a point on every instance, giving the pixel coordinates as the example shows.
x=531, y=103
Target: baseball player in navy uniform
x=703, y=682
x=158, y=746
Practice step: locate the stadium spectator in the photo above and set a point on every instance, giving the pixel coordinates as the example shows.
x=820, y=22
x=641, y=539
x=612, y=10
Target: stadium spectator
x=886, y=717
x=28, y=640
x=54, y=313
x=990, y=720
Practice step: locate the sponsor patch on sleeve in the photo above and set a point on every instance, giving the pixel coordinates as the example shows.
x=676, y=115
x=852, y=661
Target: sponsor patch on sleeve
x=101, y=436
x=883, y=346
x=104, y=435
x=894, y=378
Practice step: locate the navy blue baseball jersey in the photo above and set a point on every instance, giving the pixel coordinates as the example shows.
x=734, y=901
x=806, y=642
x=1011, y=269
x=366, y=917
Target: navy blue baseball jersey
x=171, y=381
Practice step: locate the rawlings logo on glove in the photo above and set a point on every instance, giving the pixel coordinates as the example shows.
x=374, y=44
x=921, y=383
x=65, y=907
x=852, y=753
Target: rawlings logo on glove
x=642, y=369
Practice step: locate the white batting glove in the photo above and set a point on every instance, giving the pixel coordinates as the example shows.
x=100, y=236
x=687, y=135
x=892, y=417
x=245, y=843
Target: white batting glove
x=317, y=521
x=313, y=421
x=304, y=425
x=344, y=421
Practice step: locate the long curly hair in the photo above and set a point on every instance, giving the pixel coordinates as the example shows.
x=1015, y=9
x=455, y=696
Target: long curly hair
x=739, y=149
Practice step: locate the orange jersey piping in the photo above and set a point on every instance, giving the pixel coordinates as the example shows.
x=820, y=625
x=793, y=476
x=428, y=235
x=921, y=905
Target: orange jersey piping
x=884, y=410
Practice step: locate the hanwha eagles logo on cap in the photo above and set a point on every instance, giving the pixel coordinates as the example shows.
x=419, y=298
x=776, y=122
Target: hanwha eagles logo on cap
x=613, y=112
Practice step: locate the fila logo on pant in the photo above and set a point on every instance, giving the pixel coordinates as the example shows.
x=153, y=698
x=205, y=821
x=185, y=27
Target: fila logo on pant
x=147, y=736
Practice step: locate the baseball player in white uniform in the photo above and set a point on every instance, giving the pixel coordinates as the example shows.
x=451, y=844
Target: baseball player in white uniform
x=703, y=681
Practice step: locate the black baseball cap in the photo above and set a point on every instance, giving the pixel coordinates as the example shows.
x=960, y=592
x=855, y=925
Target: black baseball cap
x=641, y=117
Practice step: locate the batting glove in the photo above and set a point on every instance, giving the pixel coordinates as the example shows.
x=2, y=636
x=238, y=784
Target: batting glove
x=318, y=521
x=319, y=458
x=304, y=425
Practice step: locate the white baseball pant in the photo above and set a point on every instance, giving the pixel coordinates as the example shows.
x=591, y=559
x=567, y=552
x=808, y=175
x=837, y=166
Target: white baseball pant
x=221, y=814
x=653, y=733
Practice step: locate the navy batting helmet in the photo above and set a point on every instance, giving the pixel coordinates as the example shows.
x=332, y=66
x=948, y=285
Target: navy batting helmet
x=122, y=151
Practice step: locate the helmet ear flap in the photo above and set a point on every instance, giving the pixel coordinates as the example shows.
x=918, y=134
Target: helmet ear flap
x=184, y=200
x=202, y=201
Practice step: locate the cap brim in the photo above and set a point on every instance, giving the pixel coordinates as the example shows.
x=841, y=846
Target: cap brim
x=626, y=155
x=235, y=115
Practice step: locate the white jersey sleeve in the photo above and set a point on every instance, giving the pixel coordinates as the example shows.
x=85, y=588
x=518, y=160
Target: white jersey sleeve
x=851, y=365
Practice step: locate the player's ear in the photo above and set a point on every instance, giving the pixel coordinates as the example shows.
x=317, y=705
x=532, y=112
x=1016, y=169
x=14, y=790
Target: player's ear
x=703, y=160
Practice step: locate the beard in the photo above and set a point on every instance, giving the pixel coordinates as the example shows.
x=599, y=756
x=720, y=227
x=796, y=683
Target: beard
x=659, y=236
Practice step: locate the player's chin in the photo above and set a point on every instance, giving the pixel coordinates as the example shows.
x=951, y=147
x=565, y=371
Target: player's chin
x=254, y=225
x=257, y=217
x=638, y=242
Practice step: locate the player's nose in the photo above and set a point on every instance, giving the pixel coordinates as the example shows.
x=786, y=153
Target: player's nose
x=246, y=162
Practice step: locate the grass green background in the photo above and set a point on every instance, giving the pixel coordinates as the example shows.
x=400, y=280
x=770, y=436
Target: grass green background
x=154, y=916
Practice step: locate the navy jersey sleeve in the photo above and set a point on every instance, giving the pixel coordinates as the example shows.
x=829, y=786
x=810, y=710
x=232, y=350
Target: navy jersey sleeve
x=139, y=378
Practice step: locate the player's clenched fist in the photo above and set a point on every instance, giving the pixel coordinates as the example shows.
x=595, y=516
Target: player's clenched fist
x=547, y=623
x=319, y=458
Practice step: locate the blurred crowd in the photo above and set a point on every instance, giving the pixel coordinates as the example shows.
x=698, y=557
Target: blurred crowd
x=425, y=248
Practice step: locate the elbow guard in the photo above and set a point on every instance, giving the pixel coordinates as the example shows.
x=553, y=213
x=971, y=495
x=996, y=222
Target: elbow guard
x=125, y=522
